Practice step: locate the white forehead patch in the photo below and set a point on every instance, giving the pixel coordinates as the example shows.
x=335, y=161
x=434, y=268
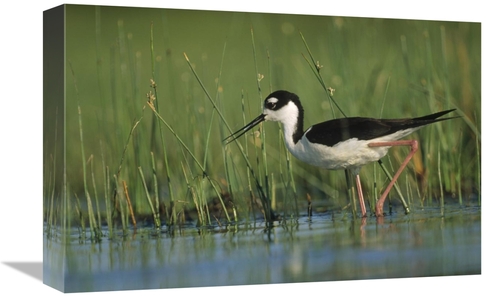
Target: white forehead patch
x=272, y=100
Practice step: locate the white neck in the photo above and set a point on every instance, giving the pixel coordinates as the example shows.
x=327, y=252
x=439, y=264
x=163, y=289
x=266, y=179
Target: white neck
x=288, y=115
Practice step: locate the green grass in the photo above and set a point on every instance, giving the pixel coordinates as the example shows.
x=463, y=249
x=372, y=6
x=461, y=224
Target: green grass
x=159, y=92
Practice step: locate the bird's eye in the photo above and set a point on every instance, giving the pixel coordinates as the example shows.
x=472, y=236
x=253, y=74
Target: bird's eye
x=270, y=105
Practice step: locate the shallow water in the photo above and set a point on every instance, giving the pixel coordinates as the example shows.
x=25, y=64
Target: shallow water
x=427, y=242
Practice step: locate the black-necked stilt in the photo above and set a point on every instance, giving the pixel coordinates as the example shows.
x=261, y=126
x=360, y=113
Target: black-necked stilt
x=345, y=143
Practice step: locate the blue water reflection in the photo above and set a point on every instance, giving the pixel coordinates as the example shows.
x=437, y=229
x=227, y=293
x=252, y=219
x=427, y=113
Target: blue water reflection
x=424, y=243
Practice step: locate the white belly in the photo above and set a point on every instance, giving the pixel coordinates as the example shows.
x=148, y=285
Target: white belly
x=350, y=154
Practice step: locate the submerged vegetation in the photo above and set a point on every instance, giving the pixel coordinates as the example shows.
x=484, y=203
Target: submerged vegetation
x=150, y=96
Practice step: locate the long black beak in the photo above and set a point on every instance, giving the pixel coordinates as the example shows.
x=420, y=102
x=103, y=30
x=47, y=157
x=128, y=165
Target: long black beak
x=243, y=130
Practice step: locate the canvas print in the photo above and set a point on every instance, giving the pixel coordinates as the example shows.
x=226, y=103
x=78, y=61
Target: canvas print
x=190, y=148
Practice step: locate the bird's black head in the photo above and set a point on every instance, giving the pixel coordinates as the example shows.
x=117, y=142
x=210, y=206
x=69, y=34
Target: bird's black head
x=278, y=99
x=280, y=106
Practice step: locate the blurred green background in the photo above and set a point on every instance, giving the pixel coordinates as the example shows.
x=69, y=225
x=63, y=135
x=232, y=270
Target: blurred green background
x=378, y=68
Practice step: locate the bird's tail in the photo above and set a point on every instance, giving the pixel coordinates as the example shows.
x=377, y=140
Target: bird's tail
x=435, y=116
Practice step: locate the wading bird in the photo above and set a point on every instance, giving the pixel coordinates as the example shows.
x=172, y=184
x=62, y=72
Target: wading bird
x=344, y=143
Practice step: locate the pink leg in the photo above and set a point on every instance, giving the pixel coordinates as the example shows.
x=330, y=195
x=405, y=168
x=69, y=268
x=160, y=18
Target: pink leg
x=413, y=144
x=360, y=196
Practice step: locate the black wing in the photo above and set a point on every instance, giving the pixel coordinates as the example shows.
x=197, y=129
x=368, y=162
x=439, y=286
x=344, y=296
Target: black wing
x=332, y=132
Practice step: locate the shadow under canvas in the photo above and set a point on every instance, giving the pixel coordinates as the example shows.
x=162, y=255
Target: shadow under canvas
x=33, y=269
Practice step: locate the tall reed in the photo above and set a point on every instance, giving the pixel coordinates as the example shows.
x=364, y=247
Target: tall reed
x=264, y=163
x=94, y=229
x=98, y=209
x=106, y=190
x=152, y=98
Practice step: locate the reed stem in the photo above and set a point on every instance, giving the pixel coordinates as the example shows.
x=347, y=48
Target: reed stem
x=129, y=204
x=155, y=100
x=154, y=211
